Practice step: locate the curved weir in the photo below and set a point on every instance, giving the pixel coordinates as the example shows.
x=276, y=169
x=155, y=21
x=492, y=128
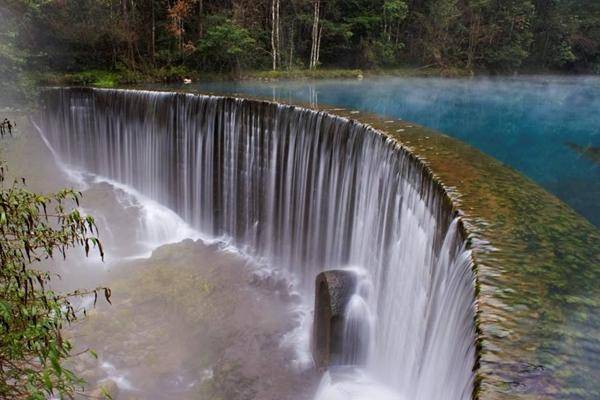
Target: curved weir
x=303, y=191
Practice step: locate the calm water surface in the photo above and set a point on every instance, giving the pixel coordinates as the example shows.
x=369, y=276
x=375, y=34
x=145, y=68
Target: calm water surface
x=546, y=127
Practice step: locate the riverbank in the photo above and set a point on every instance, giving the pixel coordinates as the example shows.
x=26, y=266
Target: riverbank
x=172, y=75
x=114, y=78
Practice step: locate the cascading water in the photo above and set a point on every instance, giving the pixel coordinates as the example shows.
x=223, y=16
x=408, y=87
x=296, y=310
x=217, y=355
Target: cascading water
x=302, y=191
x=357, y=332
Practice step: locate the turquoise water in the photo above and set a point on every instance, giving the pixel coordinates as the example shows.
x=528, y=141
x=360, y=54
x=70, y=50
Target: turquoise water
x=548, y=128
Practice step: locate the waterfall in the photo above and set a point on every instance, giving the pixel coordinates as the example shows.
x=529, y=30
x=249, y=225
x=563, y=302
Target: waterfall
x=302, y=191
x=357, y=332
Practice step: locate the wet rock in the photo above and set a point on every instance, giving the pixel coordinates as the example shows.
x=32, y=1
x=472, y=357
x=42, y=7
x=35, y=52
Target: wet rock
x=333, y=290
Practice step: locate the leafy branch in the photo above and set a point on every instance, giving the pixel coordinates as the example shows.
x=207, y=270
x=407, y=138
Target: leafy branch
x=33, y=228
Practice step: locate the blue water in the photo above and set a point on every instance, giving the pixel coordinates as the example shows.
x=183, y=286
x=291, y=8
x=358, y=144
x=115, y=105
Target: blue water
x=525, y=122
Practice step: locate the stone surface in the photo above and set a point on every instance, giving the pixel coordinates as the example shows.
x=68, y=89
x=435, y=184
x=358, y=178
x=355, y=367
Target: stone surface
x=333, y=290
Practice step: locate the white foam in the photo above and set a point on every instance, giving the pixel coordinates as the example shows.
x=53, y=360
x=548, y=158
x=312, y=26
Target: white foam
x=118, y=377
x=353, y=384
x=159, y=225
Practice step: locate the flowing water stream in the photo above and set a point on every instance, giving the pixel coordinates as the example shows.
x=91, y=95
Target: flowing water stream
x=299, y=191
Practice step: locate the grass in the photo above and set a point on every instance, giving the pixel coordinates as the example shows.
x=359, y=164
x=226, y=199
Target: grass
x=98, y=78
x=289, y=74
x=113, y=78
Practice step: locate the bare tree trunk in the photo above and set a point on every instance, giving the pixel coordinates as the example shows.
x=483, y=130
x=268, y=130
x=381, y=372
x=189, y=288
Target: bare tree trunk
x=314, y=51
x=113, y=45
x=278, y=40
x=319, y=46
x=153, y=42
x=200, y=20
x=385, y=25
x=130, y=52
x=291, y=58
x=274, y=31
x=180, y=36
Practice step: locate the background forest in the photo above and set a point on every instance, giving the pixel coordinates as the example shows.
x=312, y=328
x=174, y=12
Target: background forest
x=169, y=39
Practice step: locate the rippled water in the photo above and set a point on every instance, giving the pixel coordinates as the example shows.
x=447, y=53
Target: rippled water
x=545, y=127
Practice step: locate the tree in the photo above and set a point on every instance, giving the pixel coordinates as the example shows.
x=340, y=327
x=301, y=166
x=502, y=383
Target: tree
x=158, y=35
x=567, y=34
x=441, y=21
x=394, y=12
x=226, y=47
x=554, y=27
x=275, y=42
x=178, y=12
x=511, y=21
x=35, y=227
x=317, y=33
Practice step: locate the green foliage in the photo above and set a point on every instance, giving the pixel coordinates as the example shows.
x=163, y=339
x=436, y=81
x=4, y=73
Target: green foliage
x=512, y=41
x=441, y=22
x=226, y=46
x=395, y=10
x=33, y=228
x=165, y=41
x=94, y=78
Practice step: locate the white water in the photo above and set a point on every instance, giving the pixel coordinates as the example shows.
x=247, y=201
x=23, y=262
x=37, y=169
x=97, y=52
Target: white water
x=301, y=191
x=359, y=327
x=358, y=331
x=350, y=383
x=158, y=225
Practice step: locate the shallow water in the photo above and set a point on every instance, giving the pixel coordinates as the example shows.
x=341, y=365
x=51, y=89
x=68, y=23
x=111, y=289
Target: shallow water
x=544, y=126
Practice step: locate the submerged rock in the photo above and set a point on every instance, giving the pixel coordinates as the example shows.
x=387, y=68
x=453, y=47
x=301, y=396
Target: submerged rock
x=590, y=152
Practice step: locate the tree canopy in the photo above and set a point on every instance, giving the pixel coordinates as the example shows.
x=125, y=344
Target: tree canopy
x=490, y=35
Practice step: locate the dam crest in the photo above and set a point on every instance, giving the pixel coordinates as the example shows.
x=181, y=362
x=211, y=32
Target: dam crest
x=303, y=191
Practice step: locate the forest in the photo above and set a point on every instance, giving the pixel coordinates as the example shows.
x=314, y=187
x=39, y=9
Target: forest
x=169, y=39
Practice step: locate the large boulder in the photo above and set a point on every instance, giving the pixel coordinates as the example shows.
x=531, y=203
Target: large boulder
x=333, y=290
